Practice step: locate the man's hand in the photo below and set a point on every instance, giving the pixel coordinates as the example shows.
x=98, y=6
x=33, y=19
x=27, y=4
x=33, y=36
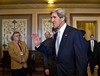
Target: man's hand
x=47, y=71
x=36, y=39
x=96, y=67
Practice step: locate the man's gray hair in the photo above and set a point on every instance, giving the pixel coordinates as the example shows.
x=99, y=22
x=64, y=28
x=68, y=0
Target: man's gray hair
x=60, y=12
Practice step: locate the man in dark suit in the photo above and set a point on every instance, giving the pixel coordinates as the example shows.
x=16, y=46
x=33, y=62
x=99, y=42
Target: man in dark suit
x=71, y=53
x=96, y=55
x=49, y=63
x=91, y=42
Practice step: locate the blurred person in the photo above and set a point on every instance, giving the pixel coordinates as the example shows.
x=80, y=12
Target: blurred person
x=88, y=48
x=91, y=42
x=96, y=55
x=46, y=66
x=49, y=63
x=18, y=52
x=70, y=52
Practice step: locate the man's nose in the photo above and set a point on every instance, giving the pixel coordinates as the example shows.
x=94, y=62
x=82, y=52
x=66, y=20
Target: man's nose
x=52, y=19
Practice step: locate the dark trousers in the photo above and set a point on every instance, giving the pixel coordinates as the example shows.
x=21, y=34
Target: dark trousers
x=98, y=71
x=92, y=66
x=19, y=72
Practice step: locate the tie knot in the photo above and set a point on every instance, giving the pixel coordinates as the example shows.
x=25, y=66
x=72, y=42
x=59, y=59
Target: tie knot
x=57, y=42
x=58, y=33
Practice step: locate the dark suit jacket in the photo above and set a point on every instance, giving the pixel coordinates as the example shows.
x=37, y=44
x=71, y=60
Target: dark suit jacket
x=49, y=62
x=72, y=55
x=91, y=59
x=90, y=44
x=97, y=54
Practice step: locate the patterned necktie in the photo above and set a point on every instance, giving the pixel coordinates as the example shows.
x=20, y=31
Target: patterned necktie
x=57, y=42
x=19, y=44
x=92, y=45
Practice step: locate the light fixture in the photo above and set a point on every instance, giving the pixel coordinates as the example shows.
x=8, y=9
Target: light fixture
x=50, y=2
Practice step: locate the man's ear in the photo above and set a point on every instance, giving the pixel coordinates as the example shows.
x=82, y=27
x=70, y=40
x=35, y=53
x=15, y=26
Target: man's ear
x=63, y=18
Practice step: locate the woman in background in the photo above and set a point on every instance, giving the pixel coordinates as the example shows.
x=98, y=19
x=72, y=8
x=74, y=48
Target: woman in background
x=19, y=54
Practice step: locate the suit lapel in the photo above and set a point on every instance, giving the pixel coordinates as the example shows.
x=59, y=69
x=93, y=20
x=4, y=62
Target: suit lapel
x=64, y=38
x=16, y=47
x=22, y=46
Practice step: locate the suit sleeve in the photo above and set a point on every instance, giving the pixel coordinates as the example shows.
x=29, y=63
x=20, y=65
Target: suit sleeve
x=96, y=54
x=45, y=50
x=45, y=62
x=80, y=54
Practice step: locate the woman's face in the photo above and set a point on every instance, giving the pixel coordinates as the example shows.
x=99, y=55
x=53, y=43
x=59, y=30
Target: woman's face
x=17, y=37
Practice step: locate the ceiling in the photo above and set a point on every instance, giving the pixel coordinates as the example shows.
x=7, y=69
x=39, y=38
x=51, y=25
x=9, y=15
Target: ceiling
x=6, y=2
x=30, y=4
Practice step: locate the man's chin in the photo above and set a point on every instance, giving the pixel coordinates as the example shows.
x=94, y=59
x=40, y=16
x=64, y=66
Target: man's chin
x=55, y=27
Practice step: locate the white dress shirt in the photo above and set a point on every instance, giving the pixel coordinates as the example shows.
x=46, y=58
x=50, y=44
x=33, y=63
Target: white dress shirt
x=60, y=31
x=92, y=45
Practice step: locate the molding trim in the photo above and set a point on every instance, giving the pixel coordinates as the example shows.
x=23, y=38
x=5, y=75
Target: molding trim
x=82, y=15
x=42, y=6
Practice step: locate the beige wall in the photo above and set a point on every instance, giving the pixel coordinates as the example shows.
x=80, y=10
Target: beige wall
x=37, y=11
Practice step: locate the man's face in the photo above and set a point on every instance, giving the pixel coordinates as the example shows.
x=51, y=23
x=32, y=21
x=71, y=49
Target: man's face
x=56, y=20
x=92, y=37
x=47, y=35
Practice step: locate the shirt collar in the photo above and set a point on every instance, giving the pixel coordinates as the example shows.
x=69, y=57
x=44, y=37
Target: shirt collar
x=62, y=28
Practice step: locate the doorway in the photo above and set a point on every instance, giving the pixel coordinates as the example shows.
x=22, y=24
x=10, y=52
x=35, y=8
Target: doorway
x=88, y=26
